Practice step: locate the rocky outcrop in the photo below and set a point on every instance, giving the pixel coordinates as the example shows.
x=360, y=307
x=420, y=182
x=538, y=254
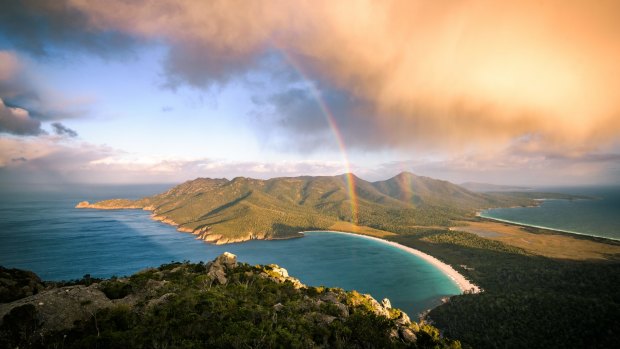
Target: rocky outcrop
x=47, y=315
x=221, y=266
x=58, y=309
x=280, y=275
x=206, y=234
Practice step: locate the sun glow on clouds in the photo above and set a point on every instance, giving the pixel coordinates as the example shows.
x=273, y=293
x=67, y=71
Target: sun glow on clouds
x=479, y=85
x=497, y=69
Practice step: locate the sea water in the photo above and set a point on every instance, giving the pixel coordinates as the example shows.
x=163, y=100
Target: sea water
x=598, y=216
x=43, y=232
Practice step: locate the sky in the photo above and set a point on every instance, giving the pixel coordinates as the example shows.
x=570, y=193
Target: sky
x=505, y=92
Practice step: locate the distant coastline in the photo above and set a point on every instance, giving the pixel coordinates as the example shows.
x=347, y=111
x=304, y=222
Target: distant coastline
x=463, y=284
x=555, y=230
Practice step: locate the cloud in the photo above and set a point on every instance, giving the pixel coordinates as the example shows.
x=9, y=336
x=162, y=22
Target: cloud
x=513, y=167
x=18, y=121
x=41, y=27
x=13, y=82
x=55, y=160
x=19, y=88
x=296, y=111
x=62, y=130
x=436, y=75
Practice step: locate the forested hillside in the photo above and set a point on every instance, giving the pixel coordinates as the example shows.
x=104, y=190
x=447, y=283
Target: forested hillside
x=220, y=304
x=222, y=211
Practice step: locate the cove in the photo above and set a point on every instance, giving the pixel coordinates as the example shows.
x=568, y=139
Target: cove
x=58, y=242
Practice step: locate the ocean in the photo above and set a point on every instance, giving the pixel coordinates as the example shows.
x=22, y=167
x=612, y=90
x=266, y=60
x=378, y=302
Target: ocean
x=43, y=232
x=599, y=216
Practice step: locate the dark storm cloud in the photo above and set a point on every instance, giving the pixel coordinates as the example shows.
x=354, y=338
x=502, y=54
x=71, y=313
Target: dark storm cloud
x=41, y=27
x=62, y=130
x=17, y=121
x=197, y=65
x=297, y=112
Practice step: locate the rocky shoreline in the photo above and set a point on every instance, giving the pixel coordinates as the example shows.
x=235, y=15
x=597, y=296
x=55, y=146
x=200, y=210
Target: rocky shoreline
x=202, y=233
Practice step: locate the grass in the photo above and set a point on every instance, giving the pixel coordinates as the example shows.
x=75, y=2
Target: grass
x=550, y=244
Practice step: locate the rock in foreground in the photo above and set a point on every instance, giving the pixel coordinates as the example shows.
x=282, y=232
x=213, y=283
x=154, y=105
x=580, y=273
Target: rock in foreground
x=222, y=303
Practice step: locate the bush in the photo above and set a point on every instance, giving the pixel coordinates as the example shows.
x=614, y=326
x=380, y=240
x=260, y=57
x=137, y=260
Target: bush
x=116, y=289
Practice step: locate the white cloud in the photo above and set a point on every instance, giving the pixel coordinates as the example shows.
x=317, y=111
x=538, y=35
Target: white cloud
x=55, y=159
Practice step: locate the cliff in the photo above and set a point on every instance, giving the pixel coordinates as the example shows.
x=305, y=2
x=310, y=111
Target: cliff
x=219, y=304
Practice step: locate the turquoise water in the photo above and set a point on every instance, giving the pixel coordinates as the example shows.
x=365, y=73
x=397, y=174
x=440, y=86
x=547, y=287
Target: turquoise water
x=597, y=217
x=44, y=233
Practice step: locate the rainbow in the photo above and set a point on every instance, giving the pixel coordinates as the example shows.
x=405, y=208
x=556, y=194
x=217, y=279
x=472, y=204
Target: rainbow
x=331, y=121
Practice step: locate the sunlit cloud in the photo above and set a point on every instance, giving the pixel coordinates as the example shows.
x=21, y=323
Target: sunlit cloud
x=513, y=166
x=50, y=159
x=436, y=74
x=478, y=84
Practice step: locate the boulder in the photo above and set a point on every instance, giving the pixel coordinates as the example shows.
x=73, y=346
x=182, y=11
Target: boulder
x=386, y=303
x=407, y=335
x=278, y=307
x=403, y=320
x=377, y=308
x=218, y=268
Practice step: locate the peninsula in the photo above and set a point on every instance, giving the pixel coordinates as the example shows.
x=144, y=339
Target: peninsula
x=224, y=211
x=530, y=277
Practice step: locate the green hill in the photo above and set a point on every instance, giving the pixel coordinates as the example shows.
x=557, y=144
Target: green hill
x=220, y=304
x=224, y=211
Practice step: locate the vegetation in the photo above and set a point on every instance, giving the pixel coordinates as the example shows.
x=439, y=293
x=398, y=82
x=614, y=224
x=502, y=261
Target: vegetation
x=15, y=284
x=219, y=210
x=544, y=242
x=529, y=301
x=182, y=305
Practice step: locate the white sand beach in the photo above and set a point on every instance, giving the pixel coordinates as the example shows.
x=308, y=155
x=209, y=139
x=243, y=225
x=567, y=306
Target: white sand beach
x=465, y=285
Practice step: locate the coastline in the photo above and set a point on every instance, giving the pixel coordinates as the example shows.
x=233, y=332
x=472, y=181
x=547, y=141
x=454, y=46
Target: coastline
x=553, y=230
x=463, y=284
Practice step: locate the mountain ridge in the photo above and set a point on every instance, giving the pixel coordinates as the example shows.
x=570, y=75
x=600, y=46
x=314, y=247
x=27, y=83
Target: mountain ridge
x=226, y=211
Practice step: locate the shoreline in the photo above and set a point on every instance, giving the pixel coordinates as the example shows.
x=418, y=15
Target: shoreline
x=554, y=230
x=464, y=285
x=461, y=282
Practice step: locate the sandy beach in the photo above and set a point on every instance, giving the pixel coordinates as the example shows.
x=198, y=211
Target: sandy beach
x=463, y=284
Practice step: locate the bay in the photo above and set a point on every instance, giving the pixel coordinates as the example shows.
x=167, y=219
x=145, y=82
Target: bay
x=599, y=216
x=43, y=232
